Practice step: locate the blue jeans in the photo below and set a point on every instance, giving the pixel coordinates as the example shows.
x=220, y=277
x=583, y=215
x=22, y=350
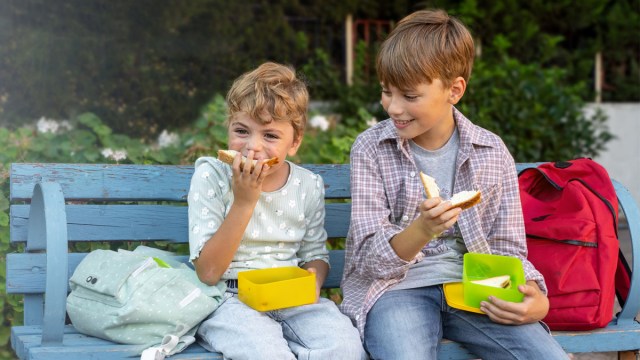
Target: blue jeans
x=316, y=331
x=409, y=324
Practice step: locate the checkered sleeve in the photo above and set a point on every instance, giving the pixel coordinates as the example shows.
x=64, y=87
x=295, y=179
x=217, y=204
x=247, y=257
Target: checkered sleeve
x=369, y=252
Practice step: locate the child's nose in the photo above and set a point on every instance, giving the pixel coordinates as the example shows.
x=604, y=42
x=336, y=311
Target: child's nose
x=254, y=143
x=394, y=107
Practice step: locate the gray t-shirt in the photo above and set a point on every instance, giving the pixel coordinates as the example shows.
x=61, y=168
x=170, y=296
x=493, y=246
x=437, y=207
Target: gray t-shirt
x=443, y=258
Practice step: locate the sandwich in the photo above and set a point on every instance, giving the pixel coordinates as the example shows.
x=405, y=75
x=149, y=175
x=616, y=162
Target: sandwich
x=227, y=156
x=502, y=281
x=463, y=199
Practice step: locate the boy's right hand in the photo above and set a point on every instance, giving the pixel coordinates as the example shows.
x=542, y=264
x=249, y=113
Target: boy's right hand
x=436, y=216
x=247, y=184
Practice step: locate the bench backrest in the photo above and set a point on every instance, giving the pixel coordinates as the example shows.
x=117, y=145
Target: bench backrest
x=132, y=203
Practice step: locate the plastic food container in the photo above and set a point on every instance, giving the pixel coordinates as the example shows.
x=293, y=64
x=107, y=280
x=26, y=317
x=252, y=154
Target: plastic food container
x=481, y=266
x=276, y=288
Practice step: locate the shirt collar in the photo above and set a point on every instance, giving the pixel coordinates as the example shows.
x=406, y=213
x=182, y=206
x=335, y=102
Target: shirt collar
x=470, y=134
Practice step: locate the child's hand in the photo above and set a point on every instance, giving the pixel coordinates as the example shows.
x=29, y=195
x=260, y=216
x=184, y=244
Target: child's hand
x=437, y=216
x=318, y=285
x=247, y=185
x=533, y=308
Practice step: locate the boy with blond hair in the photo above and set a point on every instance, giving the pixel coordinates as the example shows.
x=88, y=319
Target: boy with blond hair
x=243, y=218
x=401, y=247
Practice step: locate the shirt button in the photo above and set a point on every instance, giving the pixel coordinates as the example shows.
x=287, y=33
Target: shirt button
x=412, y=174
x=358, y=317
x=405, y=218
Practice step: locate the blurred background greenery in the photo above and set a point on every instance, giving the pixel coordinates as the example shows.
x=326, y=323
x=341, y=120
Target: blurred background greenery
x=143, y=81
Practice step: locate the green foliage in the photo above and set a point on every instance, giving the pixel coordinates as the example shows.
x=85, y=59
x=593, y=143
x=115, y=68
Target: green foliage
x=538, y=115
x=564, y=34
x=143, y=66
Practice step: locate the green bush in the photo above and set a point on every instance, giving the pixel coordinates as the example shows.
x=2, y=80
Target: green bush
x=538, y=115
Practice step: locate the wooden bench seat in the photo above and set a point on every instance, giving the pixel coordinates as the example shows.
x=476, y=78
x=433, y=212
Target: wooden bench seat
x=55, y=205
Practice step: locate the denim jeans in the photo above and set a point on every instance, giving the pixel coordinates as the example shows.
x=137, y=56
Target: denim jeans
x=409, y=324
x=316, y=331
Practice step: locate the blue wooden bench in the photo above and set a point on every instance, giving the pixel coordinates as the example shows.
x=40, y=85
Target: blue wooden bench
x=54, y=205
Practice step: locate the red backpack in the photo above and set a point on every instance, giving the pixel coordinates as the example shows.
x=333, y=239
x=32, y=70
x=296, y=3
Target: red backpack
x=571, y=219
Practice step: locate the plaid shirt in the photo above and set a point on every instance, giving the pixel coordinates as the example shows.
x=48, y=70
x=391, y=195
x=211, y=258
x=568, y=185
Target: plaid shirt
x=386, y=192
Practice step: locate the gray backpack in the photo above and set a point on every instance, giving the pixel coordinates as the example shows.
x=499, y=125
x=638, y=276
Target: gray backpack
x=141, y=299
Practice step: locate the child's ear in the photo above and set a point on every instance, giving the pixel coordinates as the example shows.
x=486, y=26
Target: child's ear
x=295, y=146
x=457, y=89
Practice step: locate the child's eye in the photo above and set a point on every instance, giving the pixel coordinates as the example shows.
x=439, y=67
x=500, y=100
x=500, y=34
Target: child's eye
x=410, y=97
x=240, y=131
x=272, y=136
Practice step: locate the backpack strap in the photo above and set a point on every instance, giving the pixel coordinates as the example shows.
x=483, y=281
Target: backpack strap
x=623, y=279
x=169, y=345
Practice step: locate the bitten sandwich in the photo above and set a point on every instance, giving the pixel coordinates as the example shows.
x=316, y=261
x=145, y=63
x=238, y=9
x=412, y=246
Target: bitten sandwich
x=227, y=156
x=463, y=199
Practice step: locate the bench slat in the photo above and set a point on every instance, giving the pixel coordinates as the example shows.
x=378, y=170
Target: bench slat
x=77, y=345
x=113, y=182
x=144, y=222
x=28, y=275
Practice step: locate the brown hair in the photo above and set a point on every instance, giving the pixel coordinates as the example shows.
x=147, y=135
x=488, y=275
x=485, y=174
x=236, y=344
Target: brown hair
x=271, y=92
x=425, y=45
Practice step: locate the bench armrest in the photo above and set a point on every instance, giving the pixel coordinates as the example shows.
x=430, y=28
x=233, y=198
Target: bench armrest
x=631, y=307
x=48, y=231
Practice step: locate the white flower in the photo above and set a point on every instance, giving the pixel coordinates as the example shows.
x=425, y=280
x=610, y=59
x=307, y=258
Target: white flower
x=166, y=139
x=372, y=122
x=107, y=152
x=47, y=126
x=319, y=122
x=116, y=155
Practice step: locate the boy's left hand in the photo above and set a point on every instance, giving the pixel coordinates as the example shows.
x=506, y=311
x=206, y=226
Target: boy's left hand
x=533, y=308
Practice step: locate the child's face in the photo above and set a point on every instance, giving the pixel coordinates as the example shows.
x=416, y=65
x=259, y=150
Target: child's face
x=266, y=140
x=424, y=114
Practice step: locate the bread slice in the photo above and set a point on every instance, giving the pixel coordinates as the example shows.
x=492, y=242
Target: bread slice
x=227, y=156
x=502, y=281
x=430, y=186
x=463, y=199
